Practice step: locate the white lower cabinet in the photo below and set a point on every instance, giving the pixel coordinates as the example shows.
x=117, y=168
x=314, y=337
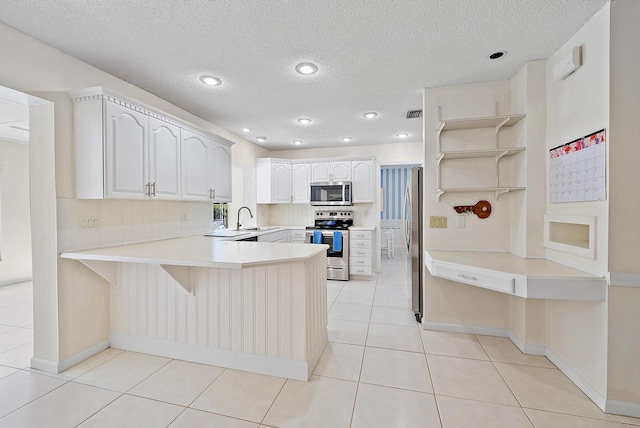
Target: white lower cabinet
x=280, y=235
x=297, y=236
x=361, y=252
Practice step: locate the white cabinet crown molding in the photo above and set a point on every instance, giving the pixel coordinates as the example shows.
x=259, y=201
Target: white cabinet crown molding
x=99, y=92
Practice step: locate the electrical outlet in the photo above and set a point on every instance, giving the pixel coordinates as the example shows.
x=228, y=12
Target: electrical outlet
x=89, y=222
x=460, y=220
x=184, y=217
x=436, y=222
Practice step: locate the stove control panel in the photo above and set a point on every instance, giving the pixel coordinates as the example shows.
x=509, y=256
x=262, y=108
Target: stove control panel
x=328, y=214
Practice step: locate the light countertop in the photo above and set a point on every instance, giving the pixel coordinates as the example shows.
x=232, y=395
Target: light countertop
x=201, y=251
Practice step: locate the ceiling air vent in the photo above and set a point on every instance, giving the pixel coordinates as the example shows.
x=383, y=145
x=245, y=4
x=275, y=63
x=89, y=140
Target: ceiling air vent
x=414, y=114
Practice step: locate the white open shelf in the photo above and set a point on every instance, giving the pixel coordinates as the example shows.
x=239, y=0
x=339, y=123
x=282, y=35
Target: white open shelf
x=479, y=122
x=497, y=191
x=486, y=153
x=570, y=234
x=496, y=122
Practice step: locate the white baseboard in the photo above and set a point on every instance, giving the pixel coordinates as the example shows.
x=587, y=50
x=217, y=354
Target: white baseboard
x=624, y=408
x=584, y=386
x=469, y=329
x=297, y=370
x=56, y=367
x=527, y=349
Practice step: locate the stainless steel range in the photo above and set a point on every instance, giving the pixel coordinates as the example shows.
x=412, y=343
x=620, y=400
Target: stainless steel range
x=331, y=227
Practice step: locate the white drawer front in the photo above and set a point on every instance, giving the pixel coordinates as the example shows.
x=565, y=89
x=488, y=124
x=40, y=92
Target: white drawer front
x=360, y=252
x=296, y=234
x=297, y=241
x=358, y=243
x=360, y=261
x=503, y=283
x=360, y=270
x=361, y=234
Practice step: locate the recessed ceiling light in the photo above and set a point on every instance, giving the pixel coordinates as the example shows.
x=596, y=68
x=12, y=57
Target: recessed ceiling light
x=297, y=142
x=210, y=80
x=497, y=55
x=246, y=130
x=306, y=68
x=370, y=114
x=261, y=139
x=346, y=139
x=304, y=121
x=402, y=135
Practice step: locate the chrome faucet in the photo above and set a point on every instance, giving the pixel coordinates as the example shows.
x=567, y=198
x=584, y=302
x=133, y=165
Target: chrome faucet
x=238, y=224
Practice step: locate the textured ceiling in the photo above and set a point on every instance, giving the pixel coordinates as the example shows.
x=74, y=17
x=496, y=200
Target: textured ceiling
x=373, y=55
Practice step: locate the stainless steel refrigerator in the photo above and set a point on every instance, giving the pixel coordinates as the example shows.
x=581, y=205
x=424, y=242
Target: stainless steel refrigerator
x=412, y=222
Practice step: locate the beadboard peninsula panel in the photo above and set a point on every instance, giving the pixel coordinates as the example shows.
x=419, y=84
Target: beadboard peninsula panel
x=269, y=319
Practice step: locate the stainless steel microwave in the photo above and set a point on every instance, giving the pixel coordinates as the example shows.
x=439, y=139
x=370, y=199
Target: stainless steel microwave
x=336, y=193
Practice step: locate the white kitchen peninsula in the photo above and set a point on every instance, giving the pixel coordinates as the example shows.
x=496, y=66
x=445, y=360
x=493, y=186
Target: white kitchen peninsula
x=254, y=306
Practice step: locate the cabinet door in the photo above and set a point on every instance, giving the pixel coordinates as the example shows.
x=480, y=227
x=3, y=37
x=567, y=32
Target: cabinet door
x=126, y=152
x=341, y=171
x=320, y=172
x=280, y=182
x=221, y=172
x=363, y=178
x=164, y=159
x=301, y=175
x=196, y=158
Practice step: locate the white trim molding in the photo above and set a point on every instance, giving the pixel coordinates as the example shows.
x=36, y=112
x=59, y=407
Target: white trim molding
x=60, y=366
x=624, y=408
x=623, y=279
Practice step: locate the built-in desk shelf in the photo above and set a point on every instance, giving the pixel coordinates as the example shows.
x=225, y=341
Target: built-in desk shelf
x=516, y=276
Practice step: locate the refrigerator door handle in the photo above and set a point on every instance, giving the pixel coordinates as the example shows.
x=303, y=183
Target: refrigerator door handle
x=406, y=204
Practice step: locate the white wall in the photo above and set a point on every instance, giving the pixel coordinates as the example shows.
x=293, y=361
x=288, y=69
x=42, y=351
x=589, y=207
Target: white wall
x=15, y=224
x=576, y=107
x=624, y=317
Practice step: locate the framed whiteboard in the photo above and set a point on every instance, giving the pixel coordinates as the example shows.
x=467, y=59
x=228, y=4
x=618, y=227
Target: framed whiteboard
x=577, y=170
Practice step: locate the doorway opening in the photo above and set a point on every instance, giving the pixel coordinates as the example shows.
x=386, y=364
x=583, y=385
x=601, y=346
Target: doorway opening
x=28, y=273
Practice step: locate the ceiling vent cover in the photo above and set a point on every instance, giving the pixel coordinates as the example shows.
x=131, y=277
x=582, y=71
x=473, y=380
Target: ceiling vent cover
x=414, y=114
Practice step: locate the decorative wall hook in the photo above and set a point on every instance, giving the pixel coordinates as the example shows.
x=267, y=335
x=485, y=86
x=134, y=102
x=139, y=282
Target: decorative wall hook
x=482, y=209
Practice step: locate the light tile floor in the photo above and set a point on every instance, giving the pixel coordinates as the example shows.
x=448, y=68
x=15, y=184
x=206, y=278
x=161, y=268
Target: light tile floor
x=378, y=370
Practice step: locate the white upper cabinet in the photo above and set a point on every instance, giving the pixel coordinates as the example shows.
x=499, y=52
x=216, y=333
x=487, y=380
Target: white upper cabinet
x=221, y=172
x=286, y=180
x=125, y=150
x=164, y=159
x=301, y=178
x=328, y=171
x=363, y=174
x=196, y=169
x=273, y=181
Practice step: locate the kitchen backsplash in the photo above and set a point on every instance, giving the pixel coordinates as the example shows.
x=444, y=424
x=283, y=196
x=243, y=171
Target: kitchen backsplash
x=302, y=214
x=98, y=223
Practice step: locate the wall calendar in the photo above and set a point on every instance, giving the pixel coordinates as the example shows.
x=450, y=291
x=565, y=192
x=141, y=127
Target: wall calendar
x=577, y=170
